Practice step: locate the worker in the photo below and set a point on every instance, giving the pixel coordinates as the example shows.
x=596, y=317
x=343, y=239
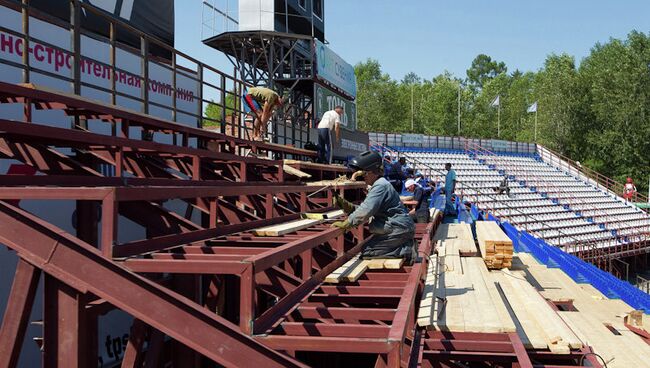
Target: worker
x=396, y=174
x=421, y=196
x=261, y=102
x=392, y=228
x=331, y=121
x=420, y=179
x=450, y=188
x=503, y=186
x=629, y=190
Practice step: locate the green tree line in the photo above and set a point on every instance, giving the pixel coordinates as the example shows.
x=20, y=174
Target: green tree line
x=597, y=112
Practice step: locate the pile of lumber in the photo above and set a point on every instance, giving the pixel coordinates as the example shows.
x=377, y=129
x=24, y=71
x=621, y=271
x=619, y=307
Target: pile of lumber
x=353, y=269
x=459, y=295
x=495, y=245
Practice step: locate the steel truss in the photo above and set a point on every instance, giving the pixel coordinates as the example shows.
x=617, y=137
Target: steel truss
x=198, y=291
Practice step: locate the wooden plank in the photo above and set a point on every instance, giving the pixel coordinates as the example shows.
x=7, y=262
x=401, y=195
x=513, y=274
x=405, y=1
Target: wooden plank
x=295, y=172
x=289, y=227
x=376, y=264
x=356, y=271
x=488, y=306
x=335, y=277
x=393, y=264
x=531, y=335
x=498, y=302
x=322, y=216
x=547, y=318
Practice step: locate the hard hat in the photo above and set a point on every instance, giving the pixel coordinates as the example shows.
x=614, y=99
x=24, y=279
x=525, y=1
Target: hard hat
x=409, y=182
x=366, y=161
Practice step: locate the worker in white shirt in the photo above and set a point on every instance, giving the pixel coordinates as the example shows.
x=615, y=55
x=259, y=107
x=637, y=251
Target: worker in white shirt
x=331, y=120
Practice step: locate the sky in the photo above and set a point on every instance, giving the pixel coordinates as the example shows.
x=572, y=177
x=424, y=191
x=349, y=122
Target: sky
x=430, y=36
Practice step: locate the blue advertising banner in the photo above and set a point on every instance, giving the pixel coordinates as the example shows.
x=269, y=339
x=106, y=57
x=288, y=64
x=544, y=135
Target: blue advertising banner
x=333, y=69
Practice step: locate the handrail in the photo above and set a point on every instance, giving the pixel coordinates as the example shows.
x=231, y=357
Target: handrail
x=597, y=178
x=576, y=242
x=213, y=86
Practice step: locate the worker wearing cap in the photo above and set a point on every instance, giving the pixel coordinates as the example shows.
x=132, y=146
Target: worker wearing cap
x=261, y=102
x=392, y=228
x=421, y=196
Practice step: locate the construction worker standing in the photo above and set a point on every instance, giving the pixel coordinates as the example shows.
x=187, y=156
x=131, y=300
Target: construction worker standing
x=392, y=228
x=450, y=188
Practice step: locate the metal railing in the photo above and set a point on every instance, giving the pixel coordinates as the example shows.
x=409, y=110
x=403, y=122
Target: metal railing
x=589, y=175
x=214, y=87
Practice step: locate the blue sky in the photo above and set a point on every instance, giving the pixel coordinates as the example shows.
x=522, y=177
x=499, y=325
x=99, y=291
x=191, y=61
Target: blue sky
x=429, y=37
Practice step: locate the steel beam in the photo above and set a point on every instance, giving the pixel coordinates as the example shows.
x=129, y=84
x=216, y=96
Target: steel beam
x=16, y=316
x=61, y=255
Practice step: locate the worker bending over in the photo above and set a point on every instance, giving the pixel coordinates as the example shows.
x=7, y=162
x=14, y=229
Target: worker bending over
x=392, y=228
x=261, y=102
x=331, y=121
x=421, y=196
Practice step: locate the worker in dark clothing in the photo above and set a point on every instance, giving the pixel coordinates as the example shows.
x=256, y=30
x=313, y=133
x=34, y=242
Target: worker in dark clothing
x=503, y=186
x=392, y=228
x=396, y=174
x=421, y=195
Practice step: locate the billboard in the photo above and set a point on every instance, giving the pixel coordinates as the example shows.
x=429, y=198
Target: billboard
x=153, y=17
x=44, y=54
x=325, y=100
x=335, y=71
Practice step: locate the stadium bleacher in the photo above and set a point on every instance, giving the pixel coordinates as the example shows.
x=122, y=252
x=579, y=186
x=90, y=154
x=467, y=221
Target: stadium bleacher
x=554, y=205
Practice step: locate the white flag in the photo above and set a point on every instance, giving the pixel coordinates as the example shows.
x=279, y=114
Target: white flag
x=532, y=108
x=496, y=102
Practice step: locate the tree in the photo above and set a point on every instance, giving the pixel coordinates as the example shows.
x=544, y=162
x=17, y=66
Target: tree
x=213, y=111
x=483, y=69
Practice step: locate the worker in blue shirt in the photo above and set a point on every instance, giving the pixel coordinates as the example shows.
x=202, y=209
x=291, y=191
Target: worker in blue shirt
x=392, y=228
x=396, y=174
x=450, y=188
x=420, y=179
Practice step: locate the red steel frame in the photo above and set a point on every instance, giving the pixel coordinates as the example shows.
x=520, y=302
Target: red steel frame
x=217, y=290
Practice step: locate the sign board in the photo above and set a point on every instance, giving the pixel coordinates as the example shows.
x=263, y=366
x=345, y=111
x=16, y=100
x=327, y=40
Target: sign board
x=95, y=69
x=412, y=138
x=113, y=328
x=325, y=100
x=352, y=143
x=154, y=18
x=333, y=69
x=498, y=145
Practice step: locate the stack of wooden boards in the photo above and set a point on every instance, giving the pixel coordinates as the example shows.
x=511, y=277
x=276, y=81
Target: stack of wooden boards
x=459, y=295
x=596, y=320
x=308, y=220
x=495, y=245
x=460, y=234
x=353, y=269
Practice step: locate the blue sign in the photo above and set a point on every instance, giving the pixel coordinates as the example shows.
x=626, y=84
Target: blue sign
x=333, y=69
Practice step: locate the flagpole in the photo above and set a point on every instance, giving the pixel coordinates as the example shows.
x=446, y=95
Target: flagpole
x=499, y=120
x=536, y=125
x=459, y=109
